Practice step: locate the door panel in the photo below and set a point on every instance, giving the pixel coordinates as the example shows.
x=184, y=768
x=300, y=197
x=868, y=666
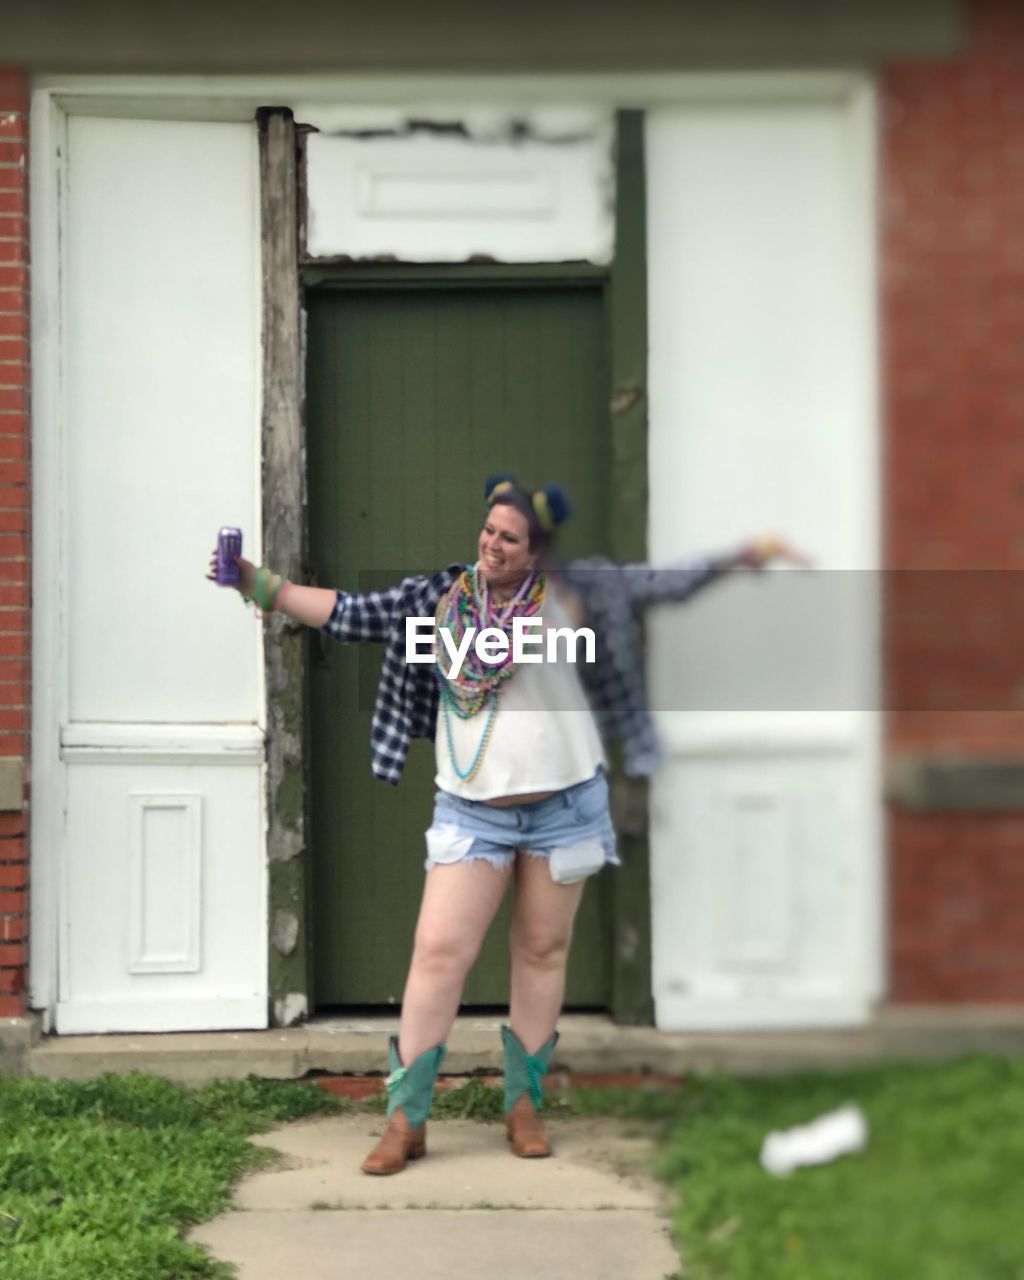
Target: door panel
x=415, y=396
x=766, y=862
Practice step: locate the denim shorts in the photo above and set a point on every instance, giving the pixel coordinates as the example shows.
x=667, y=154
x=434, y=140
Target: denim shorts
x=466, y=830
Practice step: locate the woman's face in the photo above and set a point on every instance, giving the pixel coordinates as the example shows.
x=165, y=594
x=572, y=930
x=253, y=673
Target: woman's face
x=504, y=546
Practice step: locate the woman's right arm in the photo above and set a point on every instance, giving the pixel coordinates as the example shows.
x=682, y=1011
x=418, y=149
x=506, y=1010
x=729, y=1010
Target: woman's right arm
x=345, y=616
x=309, y=605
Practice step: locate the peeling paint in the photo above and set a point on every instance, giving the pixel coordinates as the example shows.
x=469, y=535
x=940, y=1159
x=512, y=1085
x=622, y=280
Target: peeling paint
x=288, y=797
x=285, y=932
x=479, y=122
x=289, y=706
x=291, y=1009
x=624, y=399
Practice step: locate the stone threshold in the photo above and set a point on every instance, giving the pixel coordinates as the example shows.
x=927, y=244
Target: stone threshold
x=590, y=1044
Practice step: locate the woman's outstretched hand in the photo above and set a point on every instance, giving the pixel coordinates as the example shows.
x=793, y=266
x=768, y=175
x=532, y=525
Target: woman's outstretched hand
x=769, y=547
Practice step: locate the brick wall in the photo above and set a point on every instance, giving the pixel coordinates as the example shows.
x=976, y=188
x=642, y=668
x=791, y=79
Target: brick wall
x=15, y=512
x=953, y=324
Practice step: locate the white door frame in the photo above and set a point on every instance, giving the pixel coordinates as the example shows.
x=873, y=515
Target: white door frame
x=331, y=99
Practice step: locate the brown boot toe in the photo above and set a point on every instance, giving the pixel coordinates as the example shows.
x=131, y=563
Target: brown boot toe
x=525, y=1131
x=398, y=1145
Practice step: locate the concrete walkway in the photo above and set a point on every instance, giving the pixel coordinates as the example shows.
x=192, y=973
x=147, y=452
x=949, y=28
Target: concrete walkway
x=467, y=1210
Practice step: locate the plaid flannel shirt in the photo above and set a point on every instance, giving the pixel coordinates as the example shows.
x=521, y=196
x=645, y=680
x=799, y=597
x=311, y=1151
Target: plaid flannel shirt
x=612, y=596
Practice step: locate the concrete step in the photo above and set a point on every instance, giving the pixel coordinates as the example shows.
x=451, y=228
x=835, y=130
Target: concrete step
x=589, y=1044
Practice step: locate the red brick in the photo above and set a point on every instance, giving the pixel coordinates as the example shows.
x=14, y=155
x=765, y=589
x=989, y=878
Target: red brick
x=13, y=671
x=12, y=645
x=13, y=472
x=13, y=903
x=13, y=224
x=13, y=178
x=13, y=324
x=13, y=875
x=11, y=1006
x=13, y=593
x=13, y=495
x=13, y=397
x=13, y=446
x=13, y=545
x=13, y=124
x=13, y=202
x=13, y=955
x=355, y=1087
x=956, y=887
x=13, y=276
x=13, y=521
x=12, y=980
x=12, y=298
x=12, y=844
x=13, y=928
x=14, y=347
x=13, y=251
x=12, y=694
x=13, y=718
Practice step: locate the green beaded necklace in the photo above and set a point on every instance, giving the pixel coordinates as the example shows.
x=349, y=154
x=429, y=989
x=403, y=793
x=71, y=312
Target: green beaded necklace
x=479, y=685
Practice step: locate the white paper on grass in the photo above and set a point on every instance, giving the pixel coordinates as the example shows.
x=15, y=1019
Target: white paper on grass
x=836, y=1133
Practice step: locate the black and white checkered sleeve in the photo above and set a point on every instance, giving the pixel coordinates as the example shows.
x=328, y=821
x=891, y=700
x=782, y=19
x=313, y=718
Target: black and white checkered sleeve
x=365, y=615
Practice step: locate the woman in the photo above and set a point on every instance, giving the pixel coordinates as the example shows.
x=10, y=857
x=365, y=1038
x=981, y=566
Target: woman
x=522, y=795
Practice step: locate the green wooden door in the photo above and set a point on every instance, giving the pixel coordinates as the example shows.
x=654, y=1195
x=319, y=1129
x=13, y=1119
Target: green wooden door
x=415, y=395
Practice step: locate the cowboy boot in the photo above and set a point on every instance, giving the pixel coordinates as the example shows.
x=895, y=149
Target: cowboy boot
x=524, y=1094
x=410, y=1092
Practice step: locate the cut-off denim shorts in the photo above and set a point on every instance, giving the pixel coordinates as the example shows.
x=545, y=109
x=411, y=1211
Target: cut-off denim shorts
x=576, y=822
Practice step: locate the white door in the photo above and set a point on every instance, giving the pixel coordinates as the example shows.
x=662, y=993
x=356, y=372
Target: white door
x=765, y=818
x=148, y=828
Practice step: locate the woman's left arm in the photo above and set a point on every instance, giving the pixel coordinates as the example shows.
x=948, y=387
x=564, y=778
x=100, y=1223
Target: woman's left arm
x=648, y=585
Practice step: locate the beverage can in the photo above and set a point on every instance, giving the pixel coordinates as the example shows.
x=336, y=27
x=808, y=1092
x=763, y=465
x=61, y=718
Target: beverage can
x=229, y=545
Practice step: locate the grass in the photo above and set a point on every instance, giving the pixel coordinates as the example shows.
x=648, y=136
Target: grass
x=98, y=1179
x=936, y=1196
x=473, y=1100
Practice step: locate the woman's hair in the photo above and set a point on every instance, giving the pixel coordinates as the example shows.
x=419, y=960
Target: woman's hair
x=543, y=509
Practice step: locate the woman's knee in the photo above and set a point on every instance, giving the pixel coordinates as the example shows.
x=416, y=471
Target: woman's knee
x=540, y=949
x=438, y=951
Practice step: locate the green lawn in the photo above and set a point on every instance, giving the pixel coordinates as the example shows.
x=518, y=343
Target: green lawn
x=98, y=1179
x=938, y=1194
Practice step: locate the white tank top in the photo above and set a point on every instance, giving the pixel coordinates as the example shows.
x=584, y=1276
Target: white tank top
x=543, y=736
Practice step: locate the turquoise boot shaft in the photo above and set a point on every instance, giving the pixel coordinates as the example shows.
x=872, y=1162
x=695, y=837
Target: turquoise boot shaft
x=412, y=1087
x=524, y=1072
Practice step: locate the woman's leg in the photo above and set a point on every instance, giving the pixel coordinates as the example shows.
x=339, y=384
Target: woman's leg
x=460, y=900
x=541, y=932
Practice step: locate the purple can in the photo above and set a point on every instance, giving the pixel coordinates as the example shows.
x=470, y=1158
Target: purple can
x=229, y=545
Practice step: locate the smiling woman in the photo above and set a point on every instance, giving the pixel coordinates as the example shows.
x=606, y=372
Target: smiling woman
x=521, y=794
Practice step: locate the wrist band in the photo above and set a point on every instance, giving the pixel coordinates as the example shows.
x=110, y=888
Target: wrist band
x=265, y=588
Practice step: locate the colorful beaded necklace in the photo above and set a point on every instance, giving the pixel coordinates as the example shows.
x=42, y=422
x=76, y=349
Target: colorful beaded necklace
x=479, y=684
